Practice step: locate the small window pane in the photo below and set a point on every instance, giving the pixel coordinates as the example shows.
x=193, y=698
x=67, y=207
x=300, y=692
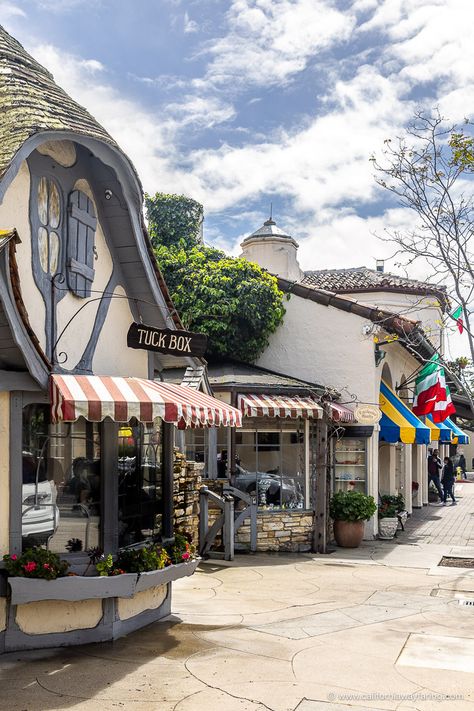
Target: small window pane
x=53, y=252
x=54, y=206
x=43, y=248
x=43, y=201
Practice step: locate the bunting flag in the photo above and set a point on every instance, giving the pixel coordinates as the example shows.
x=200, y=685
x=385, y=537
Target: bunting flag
x=457, y=316
x=432, y=395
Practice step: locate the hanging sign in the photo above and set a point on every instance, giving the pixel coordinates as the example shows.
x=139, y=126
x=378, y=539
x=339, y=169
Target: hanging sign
x=163, y=340
x=367, y=414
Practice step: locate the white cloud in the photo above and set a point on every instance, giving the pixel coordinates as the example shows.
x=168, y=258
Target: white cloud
x=269, y=41
x=8, y=11
x=190, y=26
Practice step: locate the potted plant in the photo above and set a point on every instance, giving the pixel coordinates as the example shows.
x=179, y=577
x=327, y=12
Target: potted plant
x=388, y=511
x=350, y=509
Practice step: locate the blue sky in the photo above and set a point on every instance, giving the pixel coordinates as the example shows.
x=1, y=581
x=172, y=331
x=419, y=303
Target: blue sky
x=239, y=103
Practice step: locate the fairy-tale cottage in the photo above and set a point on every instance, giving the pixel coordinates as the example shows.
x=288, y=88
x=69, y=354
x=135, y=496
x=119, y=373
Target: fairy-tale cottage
x=86, y=422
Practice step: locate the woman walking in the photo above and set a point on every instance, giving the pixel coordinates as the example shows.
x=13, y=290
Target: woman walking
x=447, y=481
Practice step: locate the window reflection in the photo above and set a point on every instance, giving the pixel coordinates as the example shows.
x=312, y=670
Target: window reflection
x=140, y=451
x=61, y=491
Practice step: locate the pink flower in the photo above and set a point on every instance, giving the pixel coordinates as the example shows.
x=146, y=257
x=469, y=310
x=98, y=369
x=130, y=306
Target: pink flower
x=186, y=556
x=47, y=566
x=14, y=557
x=29, y=567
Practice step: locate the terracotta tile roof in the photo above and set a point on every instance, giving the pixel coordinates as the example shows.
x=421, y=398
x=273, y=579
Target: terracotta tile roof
x=360, y=279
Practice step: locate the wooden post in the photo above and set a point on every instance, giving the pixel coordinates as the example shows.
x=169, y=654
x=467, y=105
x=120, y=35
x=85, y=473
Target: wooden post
x=228, y=528
x=203, y=516
x=319, y=488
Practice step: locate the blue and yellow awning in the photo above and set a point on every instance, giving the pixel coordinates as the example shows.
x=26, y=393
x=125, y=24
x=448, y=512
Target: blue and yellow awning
x=459, y=437
x=440, y=432
x=398, y=423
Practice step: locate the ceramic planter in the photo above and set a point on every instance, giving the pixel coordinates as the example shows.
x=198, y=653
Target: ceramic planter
x=78, y=587
x=387, y=528
x=349, y=534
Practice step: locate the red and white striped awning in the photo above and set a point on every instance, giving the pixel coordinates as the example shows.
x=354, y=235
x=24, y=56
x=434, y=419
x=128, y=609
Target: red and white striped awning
x=339, y=413
x=253, y=405
x=96, y=397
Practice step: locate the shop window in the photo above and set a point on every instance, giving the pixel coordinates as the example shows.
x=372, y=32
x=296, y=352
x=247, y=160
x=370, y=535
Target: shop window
x=271, y=463
x=61, y=487
x=140, y=474
x=197, y=447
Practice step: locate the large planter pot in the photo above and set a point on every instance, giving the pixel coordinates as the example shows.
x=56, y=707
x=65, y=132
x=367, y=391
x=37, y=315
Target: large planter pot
x=387, y=528
x=78, y=587
x=349, y=534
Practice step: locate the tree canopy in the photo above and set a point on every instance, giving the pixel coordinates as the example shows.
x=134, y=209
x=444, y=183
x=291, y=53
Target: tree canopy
x=174, y=219
x=234, y=302
x=429, y=170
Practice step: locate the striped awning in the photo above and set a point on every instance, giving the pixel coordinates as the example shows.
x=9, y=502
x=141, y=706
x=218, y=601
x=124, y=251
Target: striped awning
x=459, y=437
x=398, y=423
x=440, y=432
x=339, y=413
x=96, y=397
x=253, y=405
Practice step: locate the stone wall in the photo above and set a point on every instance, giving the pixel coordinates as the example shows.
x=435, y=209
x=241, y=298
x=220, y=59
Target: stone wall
x=289, y=531
x=187, y=482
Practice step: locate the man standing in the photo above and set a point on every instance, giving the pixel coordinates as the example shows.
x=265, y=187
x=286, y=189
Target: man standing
x=434, y=468
x=448, y=480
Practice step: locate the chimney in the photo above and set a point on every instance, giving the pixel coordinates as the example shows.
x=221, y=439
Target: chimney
x=379, y=265
x=273, y=249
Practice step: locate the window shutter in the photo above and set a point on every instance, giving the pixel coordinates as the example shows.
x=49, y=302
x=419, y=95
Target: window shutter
x=82, y=224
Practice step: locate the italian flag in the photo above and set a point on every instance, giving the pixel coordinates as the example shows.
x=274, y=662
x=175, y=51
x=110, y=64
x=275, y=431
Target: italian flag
x=457, y=316
x=432, y=395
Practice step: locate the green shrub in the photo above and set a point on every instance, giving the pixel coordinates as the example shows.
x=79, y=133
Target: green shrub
x=391, y=505
x=351, y=506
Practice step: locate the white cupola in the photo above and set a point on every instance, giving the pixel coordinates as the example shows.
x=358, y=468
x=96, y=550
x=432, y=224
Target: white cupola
x=274, y=250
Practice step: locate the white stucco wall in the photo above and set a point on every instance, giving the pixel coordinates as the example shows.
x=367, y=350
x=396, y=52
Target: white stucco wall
x=277, y=255
x=112, y=356
x=418, y=308
x=324, y=345
x=14, y=212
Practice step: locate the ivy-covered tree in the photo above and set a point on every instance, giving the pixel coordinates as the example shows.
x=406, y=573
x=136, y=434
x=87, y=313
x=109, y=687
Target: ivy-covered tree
x=234, y=302
x=174, y=220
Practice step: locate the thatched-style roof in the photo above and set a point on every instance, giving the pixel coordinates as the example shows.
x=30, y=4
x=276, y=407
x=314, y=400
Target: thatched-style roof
x=31, y=102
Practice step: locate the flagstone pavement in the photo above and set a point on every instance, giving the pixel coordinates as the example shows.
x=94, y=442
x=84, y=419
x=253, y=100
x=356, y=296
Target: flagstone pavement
x=380, y=627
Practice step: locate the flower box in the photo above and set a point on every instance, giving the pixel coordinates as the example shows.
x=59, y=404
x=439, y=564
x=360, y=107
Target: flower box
x=77, y=587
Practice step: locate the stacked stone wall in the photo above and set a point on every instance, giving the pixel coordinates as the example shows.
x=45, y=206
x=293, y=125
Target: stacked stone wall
x=289, y=531
x=186, y=485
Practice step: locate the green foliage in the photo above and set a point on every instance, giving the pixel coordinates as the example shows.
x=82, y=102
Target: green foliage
x=234, y=302
x=390, y=505
x=462, y=148
x=142, y=560
x=105, y=565
x=351, y=506
x=36, y=563
x=174, y=220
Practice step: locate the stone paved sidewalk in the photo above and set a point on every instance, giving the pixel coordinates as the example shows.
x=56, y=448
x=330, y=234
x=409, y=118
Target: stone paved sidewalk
x=444, y=525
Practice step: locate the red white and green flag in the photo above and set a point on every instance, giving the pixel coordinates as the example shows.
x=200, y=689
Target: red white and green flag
x=457, y=316
x=432, y=396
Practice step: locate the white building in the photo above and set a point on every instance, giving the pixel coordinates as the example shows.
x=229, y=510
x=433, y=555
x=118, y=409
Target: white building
x=352, y=329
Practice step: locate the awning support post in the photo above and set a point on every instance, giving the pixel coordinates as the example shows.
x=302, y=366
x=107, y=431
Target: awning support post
x=168, y=476
x=320, y=488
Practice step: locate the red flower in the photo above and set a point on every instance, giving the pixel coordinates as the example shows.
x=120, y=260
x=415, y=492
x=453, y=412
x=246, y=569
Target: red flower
x=186, y=556
x=14, y=557
x=29, y=567
x=47, y=566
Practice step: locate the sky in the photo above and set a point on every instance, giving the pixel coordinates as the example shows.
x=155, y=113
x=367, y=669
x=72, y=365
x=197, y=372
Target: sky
x=240, y=104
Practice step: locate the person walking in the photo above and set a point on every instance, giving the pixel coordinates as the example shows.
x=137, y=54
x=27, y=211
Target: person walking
x=448, y=480
x=462, y=465
x=434, y=469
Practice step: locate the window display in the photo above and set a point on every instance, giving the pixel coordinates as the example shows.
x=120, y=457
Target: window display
x=350, y=464
x=270, y=462
x=61, y=488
